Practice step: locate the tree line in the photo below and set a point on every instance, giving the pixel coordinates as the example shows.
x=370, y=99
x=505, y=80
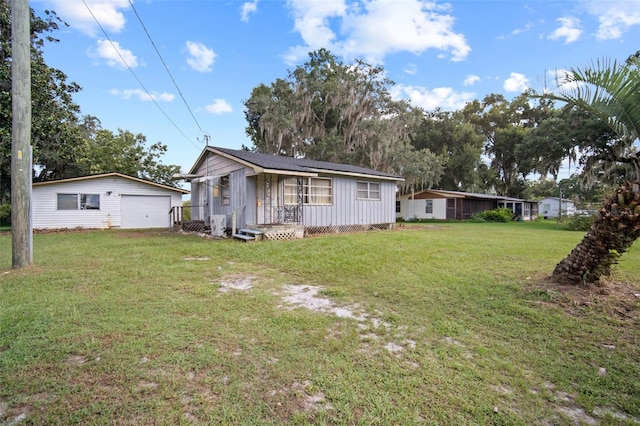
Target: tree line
x=344, y=112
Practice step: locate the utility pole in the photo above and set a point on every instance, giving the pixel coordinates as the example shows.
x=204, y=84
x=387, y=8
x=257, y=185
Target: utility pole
x=21, y=232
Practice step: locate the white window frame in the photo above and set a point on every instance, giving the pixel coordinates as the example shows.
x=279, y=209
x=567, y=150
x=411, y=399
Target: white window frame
x=225, y=190
x=368, y=193
x=310, y=188
x=82, y=201
x=428, y=207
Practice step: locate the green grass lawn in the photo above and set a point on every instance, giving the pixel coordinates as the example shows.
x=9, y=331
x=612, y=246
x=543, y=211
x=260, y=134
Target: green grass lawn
x=433, y=323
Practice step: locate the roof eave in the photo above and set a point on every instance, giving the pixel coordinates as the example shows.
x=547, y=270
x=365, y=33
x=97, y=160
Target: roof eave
x=113, y=174
x=362, y=175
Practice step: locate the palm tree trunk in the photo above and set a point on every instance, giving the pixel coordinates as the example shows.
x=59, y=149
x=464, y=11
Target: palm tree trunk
x=614, y=229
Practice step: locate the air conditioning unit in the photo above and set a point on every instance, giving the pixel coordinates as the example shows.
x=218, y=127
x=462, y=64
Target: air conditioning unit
x=218, y=225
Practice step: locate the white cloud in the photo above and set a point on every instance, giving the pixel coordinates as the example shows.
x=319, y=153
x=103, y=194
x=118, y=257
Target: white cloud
x=247, y=9
x=444, y=98
x=615, y=16
x=527, y=27
x=107, y=12
x=311, y=20
x=219, y=106
x=114, y=55
x=411, y=69
x=372, y=29
x=516, y=83
x=142, y=95
x=569, y=30
x=200, y=56
x=471, y=79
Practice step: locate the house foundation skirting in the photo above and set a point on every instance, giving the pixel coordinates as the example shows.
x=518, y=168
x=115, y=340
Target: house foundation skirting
x=292, y=232
x=343, y=229
x=280, y=232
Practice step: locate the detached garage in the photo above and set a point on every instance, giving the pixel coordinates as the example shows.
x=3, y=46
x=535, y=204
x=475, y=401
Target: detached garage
x=110, y=200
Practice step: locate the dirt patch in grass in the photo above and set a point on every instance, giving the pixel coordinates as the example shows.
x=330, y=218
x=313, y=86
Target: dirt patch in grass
x=403, y=227
x=64, y=230
x=616, y=298
x=300, y=397
x=240, y=282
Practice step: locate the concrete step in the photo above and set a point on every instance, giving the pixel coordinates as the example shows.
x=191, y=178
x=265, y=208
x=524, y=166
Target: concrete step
x=244, y=237
x=249, y=231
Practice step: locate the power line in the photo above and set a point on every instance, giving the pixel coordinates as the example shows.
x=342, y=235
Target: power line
x=167, y=69
x=136, y=77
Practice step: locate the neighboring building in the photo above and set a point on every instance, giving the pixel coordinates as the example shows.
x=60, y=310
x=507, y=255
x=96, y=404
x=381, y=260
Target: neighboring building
x=550, y=207
x=110, y=200
x=263, y=191
x=439, y=204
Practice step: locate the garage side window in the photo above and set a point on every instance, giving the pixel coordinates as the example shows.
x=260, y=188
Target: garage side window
x=89, y=201
x=78, y=201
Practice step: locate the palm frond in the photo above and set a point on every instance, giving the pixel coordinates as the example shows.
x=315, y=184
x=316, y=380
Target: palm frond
x=610, y=91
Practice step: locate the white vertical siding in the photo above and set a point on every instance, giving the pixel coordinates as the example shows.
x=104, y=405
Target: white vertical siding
x=45, y=214
x=553, y=204
x=416, y=209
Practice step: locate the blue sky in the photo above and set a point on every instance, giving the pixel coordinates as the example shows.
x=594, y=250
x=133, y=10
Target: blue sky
x=440, y=54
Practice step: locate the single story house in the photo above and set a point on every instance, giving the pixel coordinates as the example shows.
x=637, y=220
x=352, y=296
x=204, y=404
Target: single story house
x=288, y=197
x=439, y=204
x=552, y=207
x=110, y=200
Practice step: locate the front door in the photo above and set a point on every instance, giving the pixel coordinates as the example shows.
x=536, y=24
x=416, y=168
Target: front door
x=292, y=201
x=451, y=208
x=283, y=199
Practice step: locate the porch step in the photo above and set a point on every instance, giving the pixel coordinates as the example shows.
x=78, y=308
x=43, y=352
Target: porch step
x=248, y=235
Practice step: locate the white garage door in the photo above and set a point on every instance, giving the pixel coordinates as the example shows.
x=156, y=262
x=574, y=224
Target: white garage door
x=142, y=211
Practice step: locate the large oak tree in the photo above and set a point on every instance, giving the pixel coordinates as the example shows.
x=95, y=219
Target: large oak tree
x=103, y=151
x=450, y=136
x=331, y=111
x=504, y=125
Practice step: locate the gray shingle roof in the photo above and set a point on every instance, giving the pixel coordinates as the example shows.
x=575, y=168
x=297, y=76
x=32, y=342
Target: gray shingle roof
x=279, y=162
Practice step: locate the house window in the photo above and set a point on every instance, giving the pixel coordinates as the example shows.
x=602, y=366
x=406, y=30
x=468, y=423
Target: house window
x=78, y=201
x=315, y=191
x=318, y=191
x=398, y=207
x=428, y=208
x=225, y=191
x=89, y=202
x=368, y=191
